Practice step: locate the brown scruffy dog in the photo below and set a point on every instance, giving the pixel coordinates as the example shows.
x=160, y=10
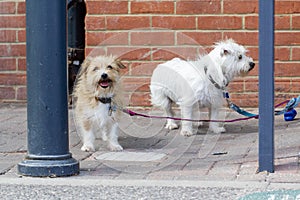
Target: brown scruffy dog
x=97, y=94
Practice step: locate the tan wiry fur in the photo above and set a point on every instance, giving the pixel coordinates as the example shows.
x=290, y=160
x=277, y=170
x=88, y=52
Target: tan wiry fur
x=98, y=78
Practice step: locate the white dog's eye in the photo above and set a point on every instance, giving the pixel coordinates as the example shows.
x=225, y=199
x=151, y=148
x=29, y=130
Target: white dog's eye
x=240, y=57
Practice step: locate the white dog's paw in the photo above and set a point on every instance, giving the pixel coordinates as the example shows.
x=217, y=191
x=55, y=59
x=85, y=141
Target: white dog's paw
x=87, y=148
x=186, y=133
x=217, y=129
x=115, y=147
x=104, y=137
x=171, y=126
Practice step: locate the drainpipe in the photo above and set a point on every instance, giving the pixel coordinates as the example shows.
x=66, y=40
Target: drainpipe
x=76, y=38
x=47, y=110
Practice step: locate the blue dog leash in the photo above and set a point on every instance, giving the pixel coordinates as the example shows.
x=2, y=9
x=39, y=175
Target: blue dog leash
x=289, y=111
x=289, y=106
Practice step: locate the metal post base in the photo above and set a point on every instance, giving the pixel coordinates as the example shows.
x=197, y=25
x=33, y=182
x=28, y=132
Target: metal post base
x=49, y=168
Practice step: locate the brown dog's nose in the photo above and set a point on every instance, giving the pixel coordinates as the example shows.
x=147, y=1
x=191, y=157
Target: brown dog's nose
x=104, y=76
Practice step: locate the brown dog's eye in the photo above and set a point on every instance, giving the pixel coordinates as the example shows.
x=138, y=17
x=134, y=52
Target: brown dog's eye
x=109, y=67
x=96, y=69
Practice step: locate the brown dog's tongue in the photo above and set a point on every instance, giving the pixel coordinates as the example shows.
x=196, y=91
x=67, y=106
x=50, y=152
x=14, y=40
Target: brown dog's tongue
x=104, y=84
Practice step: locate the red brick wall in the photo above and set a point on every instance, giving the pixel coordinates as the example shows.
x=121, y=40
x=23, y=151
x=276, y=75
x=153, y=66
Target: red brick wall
x=12, y=51
x=146, y=33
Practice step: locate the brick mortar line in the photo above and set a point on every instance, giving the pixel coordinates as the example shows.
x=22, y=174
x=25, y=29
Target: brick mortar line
x=13, y=57
x=175, y=8
x=288, y=47
x=222, y=6
x=286, y=78
x=161, y=47
x=13, y=86
x=287, y=61
x=284, y=93
x=162, y=29
x=13, y=72
x=12, y=43
x=182, y=15
x=291, y=53
x=287, y=30
x=12, y=29
x=13, y=1
x=11, y=101
x=16, y=30
x=291, y=22
x=148, y=47
x=13, y=15
x=168, y=46
x=129, y=6
x=196, y=45
x=179, y=15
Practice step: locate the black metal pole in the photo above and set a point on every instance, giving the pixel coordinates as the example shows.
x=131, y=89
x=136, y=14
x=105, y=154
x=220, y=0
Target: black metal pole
x=266, y=85
x=47, y=109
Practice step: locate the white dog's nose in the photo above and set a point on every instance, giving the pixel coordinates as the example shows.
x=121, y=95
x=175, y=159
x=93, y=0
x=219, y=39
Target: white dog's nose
x=251, y=64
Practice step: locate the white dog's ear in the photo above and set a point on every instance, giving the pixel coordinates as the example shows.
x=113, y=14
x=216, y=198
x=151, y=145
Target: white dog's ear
x=120, y=64
x=225, y=52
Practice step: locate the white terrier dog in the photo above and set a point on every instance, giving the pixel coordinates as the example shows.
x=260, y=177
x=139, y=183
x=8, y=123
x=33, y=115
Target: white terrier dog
x=96, y=94
x=202, y=81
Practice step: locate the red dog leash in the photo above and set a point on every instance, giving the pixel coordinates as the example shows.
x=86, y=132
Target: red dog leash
x=132, y=113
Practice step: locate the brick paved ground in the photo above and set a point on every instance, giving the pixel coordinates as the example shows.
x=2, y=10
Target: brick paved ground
x=153, y=153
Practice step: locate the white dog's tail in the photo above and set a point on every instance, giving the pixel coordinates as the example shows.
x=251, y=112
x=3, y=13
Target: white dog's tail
x=158, y=96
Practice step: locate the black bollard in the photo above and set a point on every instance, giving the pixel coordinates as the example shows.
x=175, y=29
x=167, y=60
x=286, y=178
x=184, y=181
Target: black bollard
x=47, y=96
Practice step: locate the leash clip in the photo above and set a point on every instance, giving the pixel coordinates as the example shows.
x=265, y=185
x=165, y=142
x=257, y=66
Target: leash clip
x=112, y=108
x=226, y=95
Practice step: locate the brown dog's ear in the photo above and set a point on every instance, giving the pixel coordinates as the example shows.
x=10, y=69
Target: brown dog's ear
x=84, y=66
x=120, y=64
x=86, y=62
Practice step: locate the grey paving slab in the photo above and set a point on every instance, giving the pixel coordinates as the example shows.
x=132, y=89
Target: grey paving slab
x=127, y=156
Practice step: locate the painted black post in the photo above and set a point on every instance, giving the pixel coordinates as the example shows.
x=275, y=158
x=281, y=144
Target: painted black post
x=266, y=85
x=47, y=109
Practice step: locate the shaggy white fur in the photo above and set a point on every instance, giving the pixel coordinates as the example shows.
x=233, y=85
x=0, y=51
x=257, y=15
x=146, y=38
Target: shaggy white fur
x=187, y=83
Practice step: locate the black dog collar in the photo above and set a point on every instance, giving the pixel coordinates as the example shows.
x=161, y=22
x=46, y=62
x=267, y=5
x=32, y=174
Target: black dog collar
x=104, y=100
